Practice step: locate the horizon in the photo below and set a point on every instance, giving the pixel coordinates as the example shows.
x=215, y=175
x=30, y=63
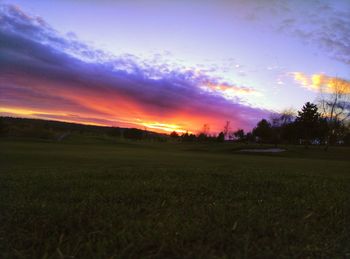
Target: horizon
x=169, y=66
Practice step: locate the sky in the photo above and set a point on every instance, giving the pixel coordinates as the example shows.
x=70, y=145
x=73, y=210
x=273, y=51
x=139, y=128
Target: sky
x=167, y=65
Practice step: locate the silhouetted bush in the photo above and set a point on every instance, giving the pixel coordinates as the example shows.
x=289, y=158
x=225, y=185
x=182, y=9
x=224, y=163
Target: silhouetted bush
x=347, y=139
x=115, y=132
x=3, y=127
x=188, y=137
x=220, y=137
x=133, y=134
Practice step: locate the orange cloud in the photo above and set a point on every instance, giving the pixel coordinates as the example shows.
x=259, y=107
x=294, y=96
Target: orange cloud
x=228, y=91
x=322, y=83
x=229, y=88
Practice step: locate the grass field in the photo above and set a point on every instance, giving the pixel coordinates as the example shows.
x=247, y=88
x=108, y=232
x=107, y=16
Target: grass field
x=171, y=200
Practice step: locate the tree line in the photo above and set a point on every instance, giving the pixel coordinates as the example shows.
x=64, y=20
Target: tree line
x=308, y=126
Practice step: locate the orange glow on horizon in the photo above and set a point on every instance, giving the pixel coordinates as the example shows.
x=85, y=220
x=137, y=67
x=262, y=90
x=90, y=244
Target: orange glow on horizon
x=156, y=126
x=190, y=124
x=164, y=127
x=45, y=115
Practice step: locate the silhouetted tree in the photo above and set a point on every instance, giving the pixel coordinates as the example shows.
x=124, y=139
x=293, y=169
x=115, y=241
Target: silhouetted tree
x=250, y=137
x=205, y=129
x=322, y=130
x=239, y=135
x=335, y=107
x=174, y=135
x=204, y=133
x=202, y=137
x=188, y=137
x=289, y=133
x=281, y=124
x=347, y=138
x=307, y=122
x=221, y=137
x=3, y=127
x=287, y=116
x=192, y=137
x=227, y=129
x=263, y=131
x=184, y=137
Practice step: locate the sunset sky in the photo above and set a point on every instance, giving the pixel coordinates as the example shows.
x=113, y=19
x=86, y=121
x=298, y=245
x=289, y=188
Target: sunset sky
x=169, y=65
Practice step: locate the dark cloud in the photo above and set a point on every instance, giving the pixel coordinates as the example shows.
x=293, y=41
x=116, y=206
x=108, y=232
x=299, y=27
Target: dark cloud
x=40, y=69
x=322, y=24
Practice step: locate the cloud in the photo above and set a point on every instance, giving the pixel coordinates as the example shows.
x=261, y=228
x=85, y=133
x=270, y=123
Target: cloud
x=324, y=25
x=322, y=83
x=59, y=77
x=321, y=23
x=227, y=87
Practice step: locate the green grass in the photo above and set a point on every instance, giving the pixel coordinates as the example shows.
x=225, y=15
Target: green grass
x=134, y=199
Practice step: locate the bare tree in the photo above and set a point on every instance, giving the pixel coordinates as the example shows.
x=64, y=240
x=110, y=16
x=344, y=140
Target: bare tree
x=285, y=117
x=227, y=129
x=205, y=129
x=334, y=103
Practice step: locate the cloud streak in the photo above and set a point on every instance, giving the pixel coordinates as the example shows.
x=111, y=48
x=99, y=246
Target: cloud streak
x=61, y=78
x=322, y=83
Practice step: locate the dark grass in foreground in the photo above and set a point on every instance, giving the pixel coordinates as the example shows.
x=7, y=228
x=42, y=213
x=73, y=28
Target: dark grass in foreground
x=64, y=200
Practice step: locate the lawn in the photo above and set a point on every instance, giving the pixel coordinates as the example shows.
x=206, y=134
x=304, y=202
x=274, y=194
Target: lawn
x=138, y=199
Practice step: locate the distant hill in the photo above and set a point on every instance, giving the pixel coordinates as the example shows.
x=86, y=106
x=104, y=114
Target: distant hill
x=57, y=130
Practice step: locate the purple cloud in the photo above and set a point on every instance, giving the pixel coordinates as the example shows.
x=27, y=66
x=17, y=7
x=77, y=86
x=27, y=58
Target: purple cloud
x=43, y=71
